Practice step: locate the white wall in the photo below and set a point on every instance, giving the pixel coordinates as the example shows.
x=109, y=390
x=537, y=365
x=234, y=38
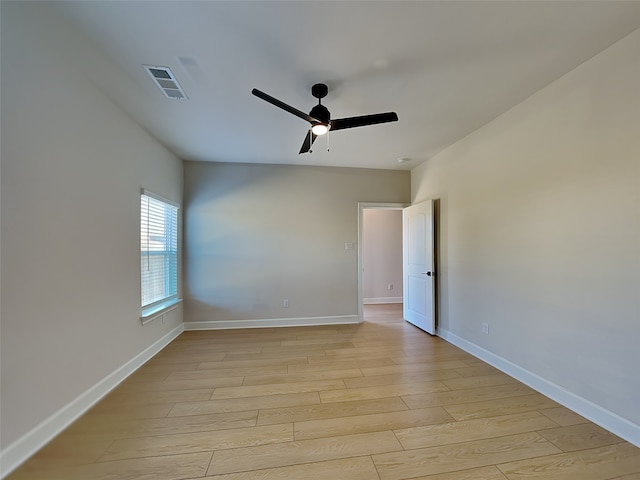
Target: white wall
x=382, y=255
x=257, y=234
x=72, y=167
x=540, y=235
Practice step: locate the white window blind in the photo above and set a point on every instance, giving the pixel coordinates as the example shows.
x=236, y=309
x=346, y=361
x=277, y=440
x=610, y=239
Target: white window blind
x=158, y=249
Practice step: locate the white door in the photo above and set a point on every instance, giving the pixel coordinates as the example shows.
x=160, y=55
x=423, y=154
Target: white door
x=418, y=266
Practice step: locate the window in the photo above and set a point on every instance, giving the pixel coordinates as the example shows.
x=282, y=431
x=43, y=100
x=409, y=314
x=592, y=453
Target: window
x=158, y=253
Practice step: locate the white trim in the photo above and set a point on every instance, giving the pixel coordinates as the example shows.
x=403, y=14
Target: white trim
x=605, y=418
x=271, y=322
x=149, y=314
x=361, y=207
x=149, y=193
x=378, y=300
x=23, y=448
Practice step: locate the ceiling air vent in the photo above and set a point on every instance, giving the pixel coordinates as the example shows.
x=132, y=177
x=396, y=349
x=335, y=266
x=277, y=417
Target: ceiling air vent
x=164, y=78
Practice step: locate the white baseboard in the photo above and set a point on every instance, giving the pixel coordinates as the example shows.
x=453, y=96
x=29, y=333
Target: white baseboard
x=616, y=424
x=271, y=322
x=378, y=300
x=23, y=448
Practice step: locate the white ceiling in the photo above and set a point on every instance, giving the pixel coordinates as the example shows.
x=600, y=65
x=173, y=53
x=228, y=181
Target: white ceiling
x=445, y=67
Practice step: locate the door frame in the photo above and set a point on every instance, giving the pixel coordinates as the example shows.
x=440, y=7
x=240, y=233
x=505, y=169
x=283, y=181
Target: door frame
x=362, y=206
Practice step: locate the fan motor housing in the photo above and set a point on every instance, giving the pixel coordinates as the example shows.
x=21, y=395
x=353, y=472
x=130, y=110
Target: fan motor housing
x=320, y=113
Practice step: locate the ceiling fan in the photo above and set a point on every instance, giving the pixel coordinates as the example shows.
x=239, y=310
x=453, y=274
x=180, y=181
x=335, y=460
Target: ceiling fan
x=320, y=118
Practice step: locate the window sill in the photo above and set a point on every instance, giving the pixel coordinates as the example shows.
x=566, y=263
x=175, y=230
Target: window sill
x=149, y=314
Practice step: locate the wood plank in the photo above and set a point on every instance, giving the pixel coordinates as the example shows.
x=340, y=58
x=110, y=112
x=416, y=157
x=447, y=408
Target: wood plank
x=580, y=437
x=440, y=356
x=122, y=398
x=327, y=374
x=242, y=404
x=479, y=370
x=370, y=423
x=227, y=345
x=173, y=467
x=166, y=368
x=106, y=409
x=500, y=406
x=413, y=367
x=381, y=391
x=190, y=384
x=329, y=410
x=357, y=468
x=397, y=378
x=481, y=473
x=144, y=427
x=594, y=464
x=317, y=341
x=303, y=349
x=193, y=358
x=563, y=416
x=197, y=442
x=318, y=364
x=479, y=381
x=71, y=449
x=303, y=451
x=202, y=374
x=277, y=389
x=461, y=456
x=457, y=432
x=224, y=364
x=455, y=397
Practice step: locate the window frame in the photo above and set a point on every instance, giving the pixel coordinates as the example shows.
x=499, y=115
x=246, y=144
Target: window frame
x=171, y=301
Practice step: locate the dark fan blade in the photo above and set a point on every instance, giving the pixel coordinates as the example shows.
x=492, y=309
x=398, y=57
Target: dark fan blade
x=350, y=122
x=308, y=141
x=283, y=106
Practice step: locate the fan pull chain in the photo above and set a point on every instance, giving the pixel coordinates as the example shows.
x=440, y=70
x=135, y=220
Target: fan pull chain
x=328, y=139
x=311, y=143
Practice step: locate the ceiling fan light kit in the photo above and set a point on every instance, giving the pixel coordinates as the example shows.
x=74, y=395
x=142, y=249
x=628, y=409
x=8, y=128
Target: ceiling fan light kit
x=320, y=118
x=320, y=129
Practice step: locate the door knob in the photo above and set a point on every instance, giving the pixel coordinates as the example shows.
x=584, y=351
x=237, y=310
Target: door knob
x=428, y=274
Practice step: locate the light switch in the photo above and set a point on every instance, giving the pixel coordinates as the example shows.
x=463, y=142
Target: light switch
x=348, y=245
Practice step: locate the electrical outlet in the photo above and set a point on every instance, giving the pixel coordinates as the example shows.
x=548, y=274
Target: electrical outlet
x=285, y=303
x=390, y=286
x=485, y=328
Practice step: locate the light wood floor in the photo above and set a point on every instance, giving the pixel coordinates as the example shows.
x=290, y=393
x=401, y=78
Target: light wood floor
x=377, y=401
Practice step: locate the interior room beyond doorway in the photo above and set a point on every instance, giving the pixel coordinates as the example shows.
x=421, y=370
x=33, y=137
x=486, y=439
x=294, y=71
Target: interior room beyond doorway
x=382, y=256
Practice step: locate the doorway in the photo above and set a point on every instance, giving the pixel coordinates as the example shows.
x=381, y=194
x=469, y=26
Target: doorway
x=379, y=254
